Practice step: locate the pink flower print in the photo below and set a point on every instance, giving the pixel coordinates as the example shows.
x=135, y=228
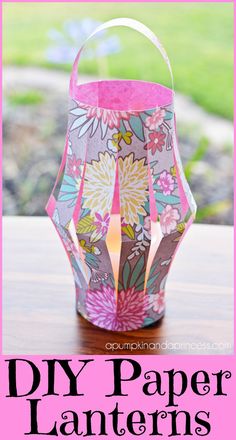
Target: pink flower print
x=147, y=223
x=166, y=183
x=143, y=232
x=157, y=140
x=157, y=301
x=101, y=223
x=127, y=313
x=156, y=119
x=110, y=118
x=74, y=166
x=168, y=219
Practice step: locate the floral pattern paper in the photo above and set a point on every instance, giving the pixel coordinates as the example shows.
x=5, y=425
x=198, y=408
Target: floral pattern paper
x=127, y=159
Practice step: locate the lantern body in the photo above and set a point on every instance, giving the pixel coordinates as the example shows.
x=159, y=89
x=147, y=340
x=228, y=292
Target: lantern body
x=123, y=204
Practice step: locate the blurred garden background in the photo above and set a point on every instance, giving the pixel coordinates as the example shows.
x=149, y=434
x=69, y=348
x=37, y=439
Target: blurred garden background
x=39, y=44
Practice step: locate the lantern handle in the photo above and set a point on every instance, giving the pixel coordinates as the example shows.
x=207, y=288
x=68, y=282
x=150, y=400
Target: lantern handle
x=130, y=23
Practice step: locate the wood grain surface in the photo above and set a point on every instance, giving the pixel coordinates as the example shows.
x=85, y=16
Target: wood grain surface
x=39, y=314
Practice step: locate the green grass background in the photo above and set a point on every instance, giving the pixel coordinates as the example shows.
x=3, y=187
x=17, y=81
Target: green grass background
x=198, y=38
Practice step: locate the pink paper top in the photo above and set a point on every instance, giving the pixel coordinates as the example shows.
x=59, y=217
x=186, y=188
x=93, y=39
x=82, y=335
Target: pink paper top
x=123, y=95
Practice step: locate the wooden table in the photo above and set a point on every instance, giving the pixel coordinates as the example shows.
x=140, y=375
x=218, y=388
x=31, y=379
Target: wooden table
x=38, y=306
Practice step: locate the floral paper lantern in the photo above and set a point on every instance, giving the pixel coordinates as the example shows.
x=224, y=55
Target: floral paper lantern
x=120, y=179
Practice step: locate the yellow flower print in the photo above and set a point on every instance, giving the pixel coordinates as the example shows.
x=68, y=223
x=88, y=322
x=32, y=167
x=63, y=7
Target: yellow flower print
x=133, y=180
x=99, y=184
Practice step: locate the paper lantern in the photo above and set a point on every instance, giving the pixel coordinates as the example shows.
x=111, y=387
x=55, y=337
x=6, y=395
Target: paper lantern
x=121, y=203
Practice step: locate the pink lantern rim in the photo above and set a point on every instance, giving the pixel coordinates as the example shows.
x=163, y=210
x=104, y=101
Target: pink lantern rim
x=160, y=96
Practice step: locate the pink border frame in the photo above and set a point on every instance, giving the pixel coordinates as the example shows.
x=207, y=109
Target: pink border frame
x=120, y=1
x=222, y=428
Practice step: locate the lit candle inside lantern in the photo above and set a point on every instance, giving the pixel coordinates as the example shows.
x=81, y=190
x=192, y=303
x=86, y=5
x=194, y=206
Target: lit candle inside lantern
x=113, y=241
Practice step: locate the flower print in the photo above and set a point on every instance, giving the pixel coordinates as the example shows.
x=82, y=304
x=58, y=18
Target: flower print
x=101, y=223
x=114, y=143
x=168, y=219
x=133, y=181
x=126, y=313
x=64, y=233
x=88, y=116
x=89, y=251
x=166, y=183
x=110, y=118
x=95, y=250
x=147, y=223
x=156, y=119
x=157, y=301
x=97, y=276
x=71, y=248
x=143, y=238
x=157, y=141
x=127, y=230
x=73, y=167
x=144, y=230
x=92, y=261
x=69, y=190
x=138, y=248
x=99, y=184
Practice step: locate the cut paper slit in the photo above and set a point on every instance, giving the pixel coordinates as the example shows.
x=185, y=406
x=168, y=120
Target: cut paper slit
x=114, y=245
x=123, y=205
x=156, y=237
x=72, y=232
